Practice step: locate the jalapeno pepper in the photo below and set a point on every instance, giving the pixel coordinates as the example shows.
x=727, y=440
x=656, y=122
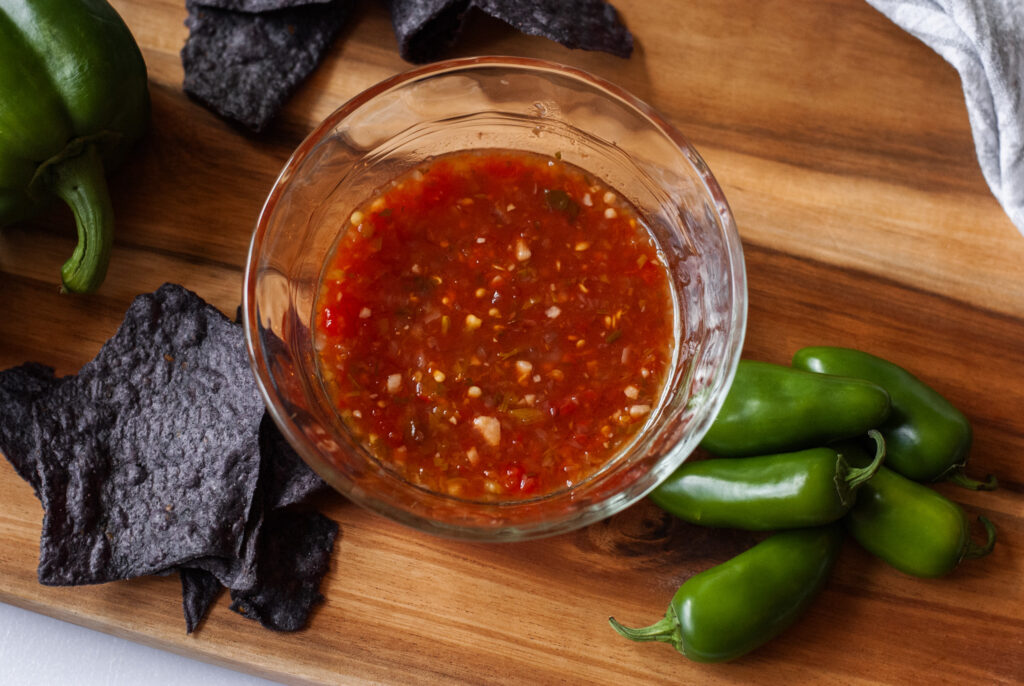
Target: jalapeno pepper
x=909, y=525
x=927, y=438
x=771, y=408
x=786, y=491
x=728, y=610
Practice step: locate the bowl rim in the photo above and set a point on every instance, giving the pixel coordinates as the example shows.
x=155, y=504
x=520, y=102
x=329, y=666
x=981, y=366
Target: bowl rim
x=729, y=236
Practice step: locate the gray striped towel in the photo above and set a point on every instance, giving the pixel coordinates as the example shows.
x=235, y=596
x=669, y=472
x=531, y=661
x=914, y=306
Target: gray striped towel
x=984, y=41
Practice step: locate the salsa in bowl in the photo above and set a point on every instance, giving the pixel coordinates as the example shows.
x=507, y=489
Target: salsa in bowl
x=495, y=298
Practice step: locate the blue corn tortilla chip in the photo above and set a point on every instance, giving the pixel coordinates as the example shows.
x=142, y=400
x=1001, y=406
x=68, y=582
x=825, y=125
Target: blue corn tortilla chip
x=294, y=556
x=257, y=5
x=19, y=389
x=426, y=28
x=577, y=24
x=244, y=65
x=244, y=58
x=158, y=456
x=149, y=457
x=284, y=481
x=288, y=480
x=237, y=571
x=199, y=591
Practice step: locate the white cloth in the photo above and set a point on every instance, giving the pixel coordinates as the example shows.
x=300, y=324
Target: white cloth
x=984, y=41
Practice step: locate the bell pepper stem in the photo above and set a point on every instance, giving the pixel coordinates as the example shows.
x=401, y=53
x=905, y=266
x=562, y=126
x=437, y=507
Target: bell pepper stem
x=859, y=475
x=974, y=550
x=666, y=630
x=960, y=479
x=80, y=182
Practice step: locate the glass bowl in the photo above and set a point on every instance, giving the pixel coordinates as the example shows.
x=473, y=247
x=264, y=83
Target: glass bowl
x=507, y=103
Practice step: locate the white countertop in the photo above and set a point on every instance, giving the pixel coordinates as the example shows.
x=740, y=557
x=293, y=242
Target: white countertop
x=36, y=650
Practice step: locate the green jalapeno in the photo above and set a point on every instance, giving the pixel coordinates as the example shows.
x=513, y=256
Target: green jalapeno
x=728, y=610
x=909, y=525
x=786, y=491
x=771, y=408
x=927, y=438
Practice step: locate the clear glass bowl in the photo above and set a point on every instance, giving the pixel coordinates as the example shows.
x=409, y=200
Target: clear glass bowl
x=511, y=103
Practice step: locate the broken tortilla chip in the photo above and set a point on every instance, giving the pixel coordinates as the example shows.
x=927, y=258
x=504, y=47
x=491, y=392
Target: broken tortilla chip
x=244, y=65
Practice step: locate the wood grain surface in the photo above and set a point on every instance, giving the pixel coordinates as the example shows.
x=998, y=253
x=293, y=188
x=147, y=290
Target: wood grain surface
x=844, y=149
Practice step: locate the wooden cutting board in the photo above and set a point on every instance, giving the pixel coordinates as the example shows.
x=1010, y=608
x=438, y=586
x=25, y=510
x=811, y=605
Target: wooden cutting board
x=843, y=146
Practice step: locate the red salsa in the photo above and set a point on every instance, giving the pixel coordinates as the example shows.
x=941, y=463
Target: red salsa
x=494, y=325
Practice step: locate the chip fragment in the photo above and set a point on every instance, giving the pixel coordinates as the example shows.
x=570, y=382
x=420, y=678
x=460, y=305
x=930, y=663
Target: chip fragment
x=19, y=441
x=294, y=555
x=576, y=24
x=285, y=481
x=426, y=28
x=244, y=65
x=258, y=5
x=199, y=591
x=288, y=480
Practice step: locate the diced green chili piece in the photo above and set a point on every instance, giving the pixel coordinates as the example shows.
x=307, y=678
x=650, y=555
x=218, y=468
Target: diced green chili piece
x=526, y=415
x=560, y=201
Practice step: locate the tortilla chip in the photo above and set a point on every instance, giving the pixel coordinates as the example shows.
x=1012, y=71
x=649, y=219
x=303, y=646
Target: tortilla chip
x=257, y=5
x=288, y=480
x=284, y=481
x=19, y=440
x=199, y=591
x=159, y=457
x=148, y=458
x=237, y=571
x=294, y=556
x=577, y=24
x=426, y=28
x=244, y=65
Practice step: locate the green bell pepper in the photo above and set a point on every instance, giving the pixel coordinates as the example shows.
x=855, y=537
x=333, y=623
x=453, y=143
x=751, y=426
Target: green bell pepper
x=75, y=99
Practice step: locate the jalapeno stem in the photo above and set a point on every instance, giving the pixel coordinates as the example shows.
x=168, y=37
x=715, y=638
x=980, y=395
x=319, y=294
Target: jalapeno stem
x=960, y=479
x=666, y=630
x=973, y=549
x=79, y=181
x=859, y=475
